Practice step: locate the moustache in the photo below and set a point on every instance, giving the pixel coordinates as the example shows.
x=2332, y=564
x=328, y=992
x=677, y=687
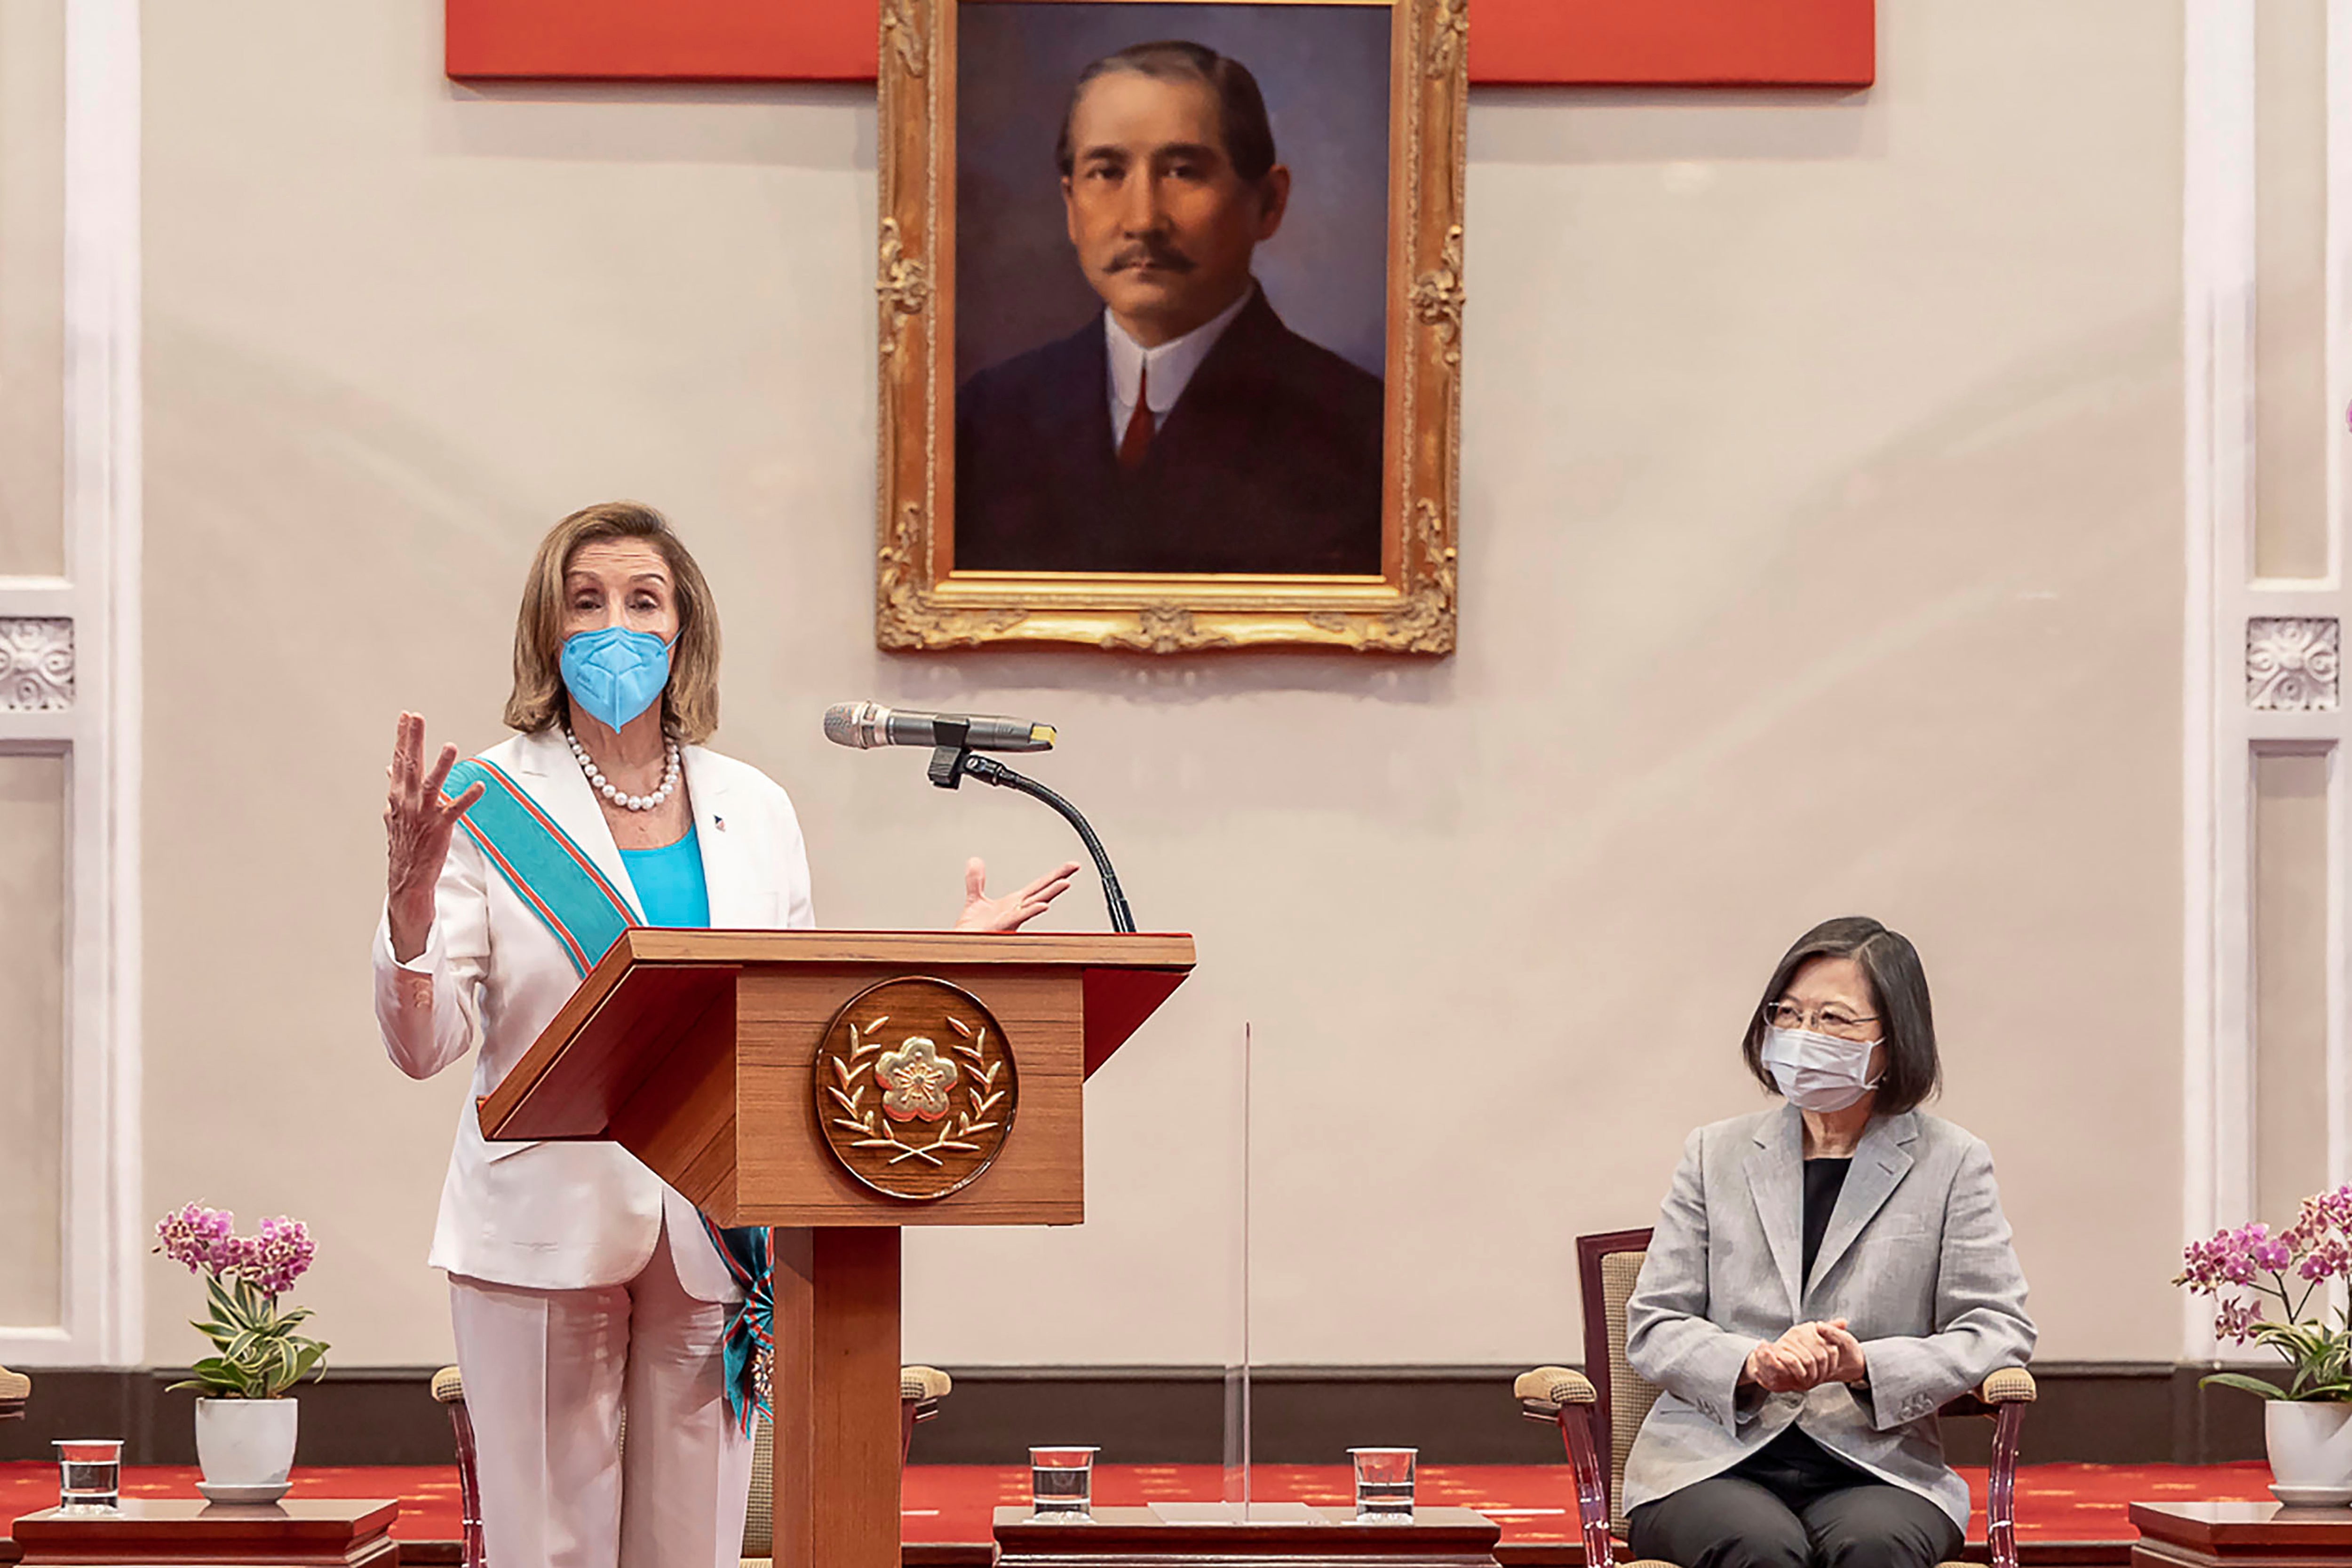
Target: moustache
x=1159, y=255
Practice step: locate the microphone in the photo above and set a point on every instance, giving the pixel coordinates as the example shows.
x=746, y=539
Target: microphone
x=868, y=725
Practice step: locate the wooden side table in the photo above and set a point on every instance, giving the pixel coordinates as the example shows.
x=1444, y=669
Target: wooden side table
x=1142, y=1537
x=2243, y=1535
x=310, y=1532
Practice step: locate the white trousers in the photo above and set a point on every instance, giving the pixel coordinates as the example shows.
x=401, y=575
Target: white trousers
x=547, y=1374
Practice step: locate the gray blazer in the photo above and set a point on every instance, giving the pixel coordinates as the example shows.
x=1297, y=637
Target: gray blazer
x=1917, y=1259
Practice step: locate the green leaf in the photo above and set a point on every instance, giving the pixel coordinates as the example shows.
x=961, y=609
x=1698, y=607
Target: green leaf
x=223, y=1304
x=255, y=1304
x=208, y=1389
x=2240, y=1380
x=278, y=1372
x=313, y=1356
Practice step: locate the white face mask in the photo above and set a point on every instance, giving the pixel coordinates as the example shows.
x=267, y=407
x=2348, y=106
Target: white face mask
x=1818, y=1071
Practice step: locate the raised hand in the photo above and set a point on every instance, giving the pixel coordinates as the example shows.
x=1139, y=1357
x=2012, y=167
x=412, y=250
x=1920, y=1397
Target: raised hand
x=982, y=913
x=417, y=823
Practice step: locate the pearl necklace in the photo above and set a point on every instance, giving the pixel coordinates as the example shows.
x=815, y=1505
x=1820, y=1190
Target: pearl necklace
x=603, y=785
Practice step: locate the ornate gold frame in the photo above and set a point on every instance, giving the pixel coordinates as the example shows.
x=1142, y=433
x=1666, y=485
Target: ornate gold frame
x=920, y=604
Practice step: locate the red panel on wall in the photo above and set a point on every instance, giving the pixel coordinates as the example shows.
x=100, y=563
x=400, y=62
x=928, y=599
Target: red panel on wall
x=1617, y=43
x=1629, y=43
x=676, y=40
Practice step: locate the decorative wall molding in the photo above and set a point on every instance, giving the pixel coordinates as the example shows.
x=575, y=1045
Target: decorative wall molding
x=71, y=646
x=37, y=663
x=2261, y=656
x=2292, y=662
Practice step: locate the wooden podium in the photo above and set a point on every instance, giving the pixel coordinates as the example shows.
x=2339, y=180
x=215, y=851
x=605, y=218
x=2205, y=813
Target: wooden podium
x=837, y=1085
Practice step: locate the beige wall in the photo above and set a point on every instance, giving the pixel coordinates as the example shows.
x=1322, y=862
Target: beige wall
x=1822, y=552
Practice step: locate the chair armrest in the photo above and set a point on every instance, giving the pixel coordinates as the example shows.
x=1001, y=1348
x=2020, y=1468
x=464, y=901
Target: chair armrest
x=1542, y=1392
x=2010, y=1385
x=449, y=1387
x=14, y=1389
x=924, y=1384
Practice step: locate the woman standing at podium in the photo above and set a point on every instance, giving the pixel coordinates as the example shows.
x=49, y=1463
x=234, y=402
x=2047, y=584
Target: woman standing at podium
x=579, y=1281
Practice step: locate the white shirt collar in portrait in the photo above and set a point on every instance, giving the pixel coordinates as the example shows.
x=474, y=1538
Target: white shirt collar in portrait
x=1172, y=364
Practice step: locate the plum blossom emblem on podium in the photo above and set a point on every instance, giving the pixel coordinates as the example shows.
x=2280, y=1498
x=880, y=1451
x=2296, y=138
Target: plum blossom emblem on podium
x=915, y=1088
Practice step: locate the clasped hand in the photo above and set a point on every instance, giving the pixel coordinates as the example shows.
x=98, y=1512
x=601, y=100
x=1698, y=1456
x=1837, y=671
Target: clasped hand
x=1805, y=1358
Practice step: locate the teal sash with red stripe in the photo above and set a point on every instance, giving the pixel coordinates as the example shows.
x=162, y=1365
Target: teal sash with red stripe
x=555, y=878
x=538, y=859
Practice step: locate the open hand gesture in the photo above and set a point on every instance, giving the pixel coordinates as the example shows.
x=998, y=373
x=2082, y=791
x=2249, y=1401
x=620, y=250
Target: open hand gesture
x=417, y=823
x=982, y=913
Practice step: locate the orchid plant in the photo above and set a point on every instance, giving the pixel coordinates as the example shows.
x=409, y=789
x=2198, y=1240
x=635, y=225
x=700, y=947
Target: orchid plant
x=2291, y=1271
x=260, y=1355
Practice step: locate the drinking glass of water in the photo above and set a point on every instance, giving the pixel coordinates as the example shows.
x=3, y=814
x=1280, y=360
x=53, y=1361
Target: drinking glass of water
x=1384, y=1485
x=90, y=1474
x=1062, y=1484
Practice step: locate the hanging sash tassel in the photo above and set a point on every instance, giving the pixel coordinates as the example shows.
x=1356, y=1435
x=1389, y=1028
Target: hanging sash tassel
x=750, y=1341
x=559, y=882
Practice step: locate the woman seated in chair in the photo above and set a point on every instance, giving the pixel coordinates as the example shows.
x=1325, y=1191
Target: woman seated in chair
x=1824, y=1275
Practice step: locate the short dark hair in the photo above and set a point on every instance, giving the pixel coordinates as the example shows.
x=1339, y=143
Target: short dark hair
x=1241, y=108
x=1898, y=994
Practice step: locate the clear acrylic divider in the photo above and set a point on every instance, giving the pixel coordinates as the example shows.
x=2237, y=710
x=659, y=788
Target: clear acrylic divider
x=1237, y=1363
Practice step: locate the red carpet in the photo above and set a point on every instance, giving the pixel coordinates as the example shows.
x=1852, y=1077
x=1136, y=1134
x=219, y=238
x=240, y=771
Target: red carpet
x=1535, y=1504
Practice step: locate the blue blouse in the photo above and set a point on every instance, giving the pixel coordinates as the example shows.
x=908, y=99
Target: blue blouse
x=669, y=883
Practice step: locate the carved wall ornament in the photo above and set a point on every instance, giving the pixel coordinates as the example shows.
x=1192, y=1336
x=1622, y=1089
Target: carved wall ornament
x=905, y=616
x=902, y=285
x=37, y=663
x=1449, y=38
x=1165, y=629
x=1425, y=624
x=924, y=602
x=1438, y=296
x=901, y=27
x=916, y=1088
x=2292, y=662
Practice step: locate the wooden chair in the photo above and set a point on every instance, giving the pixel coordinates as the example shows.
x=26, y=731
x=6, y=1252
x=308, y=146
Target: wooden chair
x=920, y=1389
x=14, y=1389
x=1589, y=1411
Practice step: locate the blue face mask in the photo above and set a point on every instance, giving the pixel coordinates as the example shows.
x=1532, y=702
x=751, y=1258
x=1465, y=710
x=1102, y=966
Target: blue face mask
x=615, y=674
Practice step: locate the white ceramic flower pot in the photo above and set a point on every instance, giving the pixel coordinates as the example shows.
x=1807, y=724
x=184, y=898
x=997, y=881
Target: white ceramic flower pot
x=2310, y=1442
x=246, y=1442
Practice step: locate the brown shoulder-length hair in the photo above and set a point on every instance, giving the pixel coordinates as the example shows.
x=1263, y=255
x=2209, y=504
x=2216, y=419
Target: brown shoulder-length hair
x=1898, y=993
x=691, y=701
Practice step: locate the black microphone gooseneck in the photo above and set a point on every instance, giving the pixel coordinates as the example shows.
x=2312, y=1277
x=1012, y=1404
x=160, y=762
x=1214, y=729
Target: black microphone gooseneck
x=953, y=762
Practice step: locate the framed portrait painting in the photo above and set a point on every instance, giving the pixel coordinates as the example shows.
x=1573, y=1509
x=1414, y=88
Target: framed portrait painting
x=1171, y=299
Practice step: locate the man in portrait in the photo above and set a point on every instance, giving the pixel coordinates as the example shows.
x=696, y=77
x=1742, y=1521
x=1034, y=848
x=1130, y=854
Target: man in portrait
x=1187, y=429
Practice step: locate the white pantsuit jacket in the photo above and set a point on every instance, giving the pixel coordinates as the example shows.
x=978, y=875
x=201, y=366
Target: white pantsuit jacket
x=1916, y=1260
x=567, y=1215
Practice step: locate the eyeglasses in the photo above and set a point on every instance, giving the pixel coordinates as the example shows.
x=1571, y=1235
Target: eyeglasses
x=1829, y=1018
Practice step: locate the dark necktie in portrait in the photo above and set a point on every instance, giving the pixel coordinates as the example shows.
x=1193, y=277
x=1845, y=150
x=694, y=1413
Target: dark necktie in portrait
x=1184, y=428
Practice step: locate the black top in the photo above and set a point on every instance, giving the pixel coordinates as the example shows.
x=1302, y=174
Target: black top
x=1270, y=461
x=1823, y=1181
